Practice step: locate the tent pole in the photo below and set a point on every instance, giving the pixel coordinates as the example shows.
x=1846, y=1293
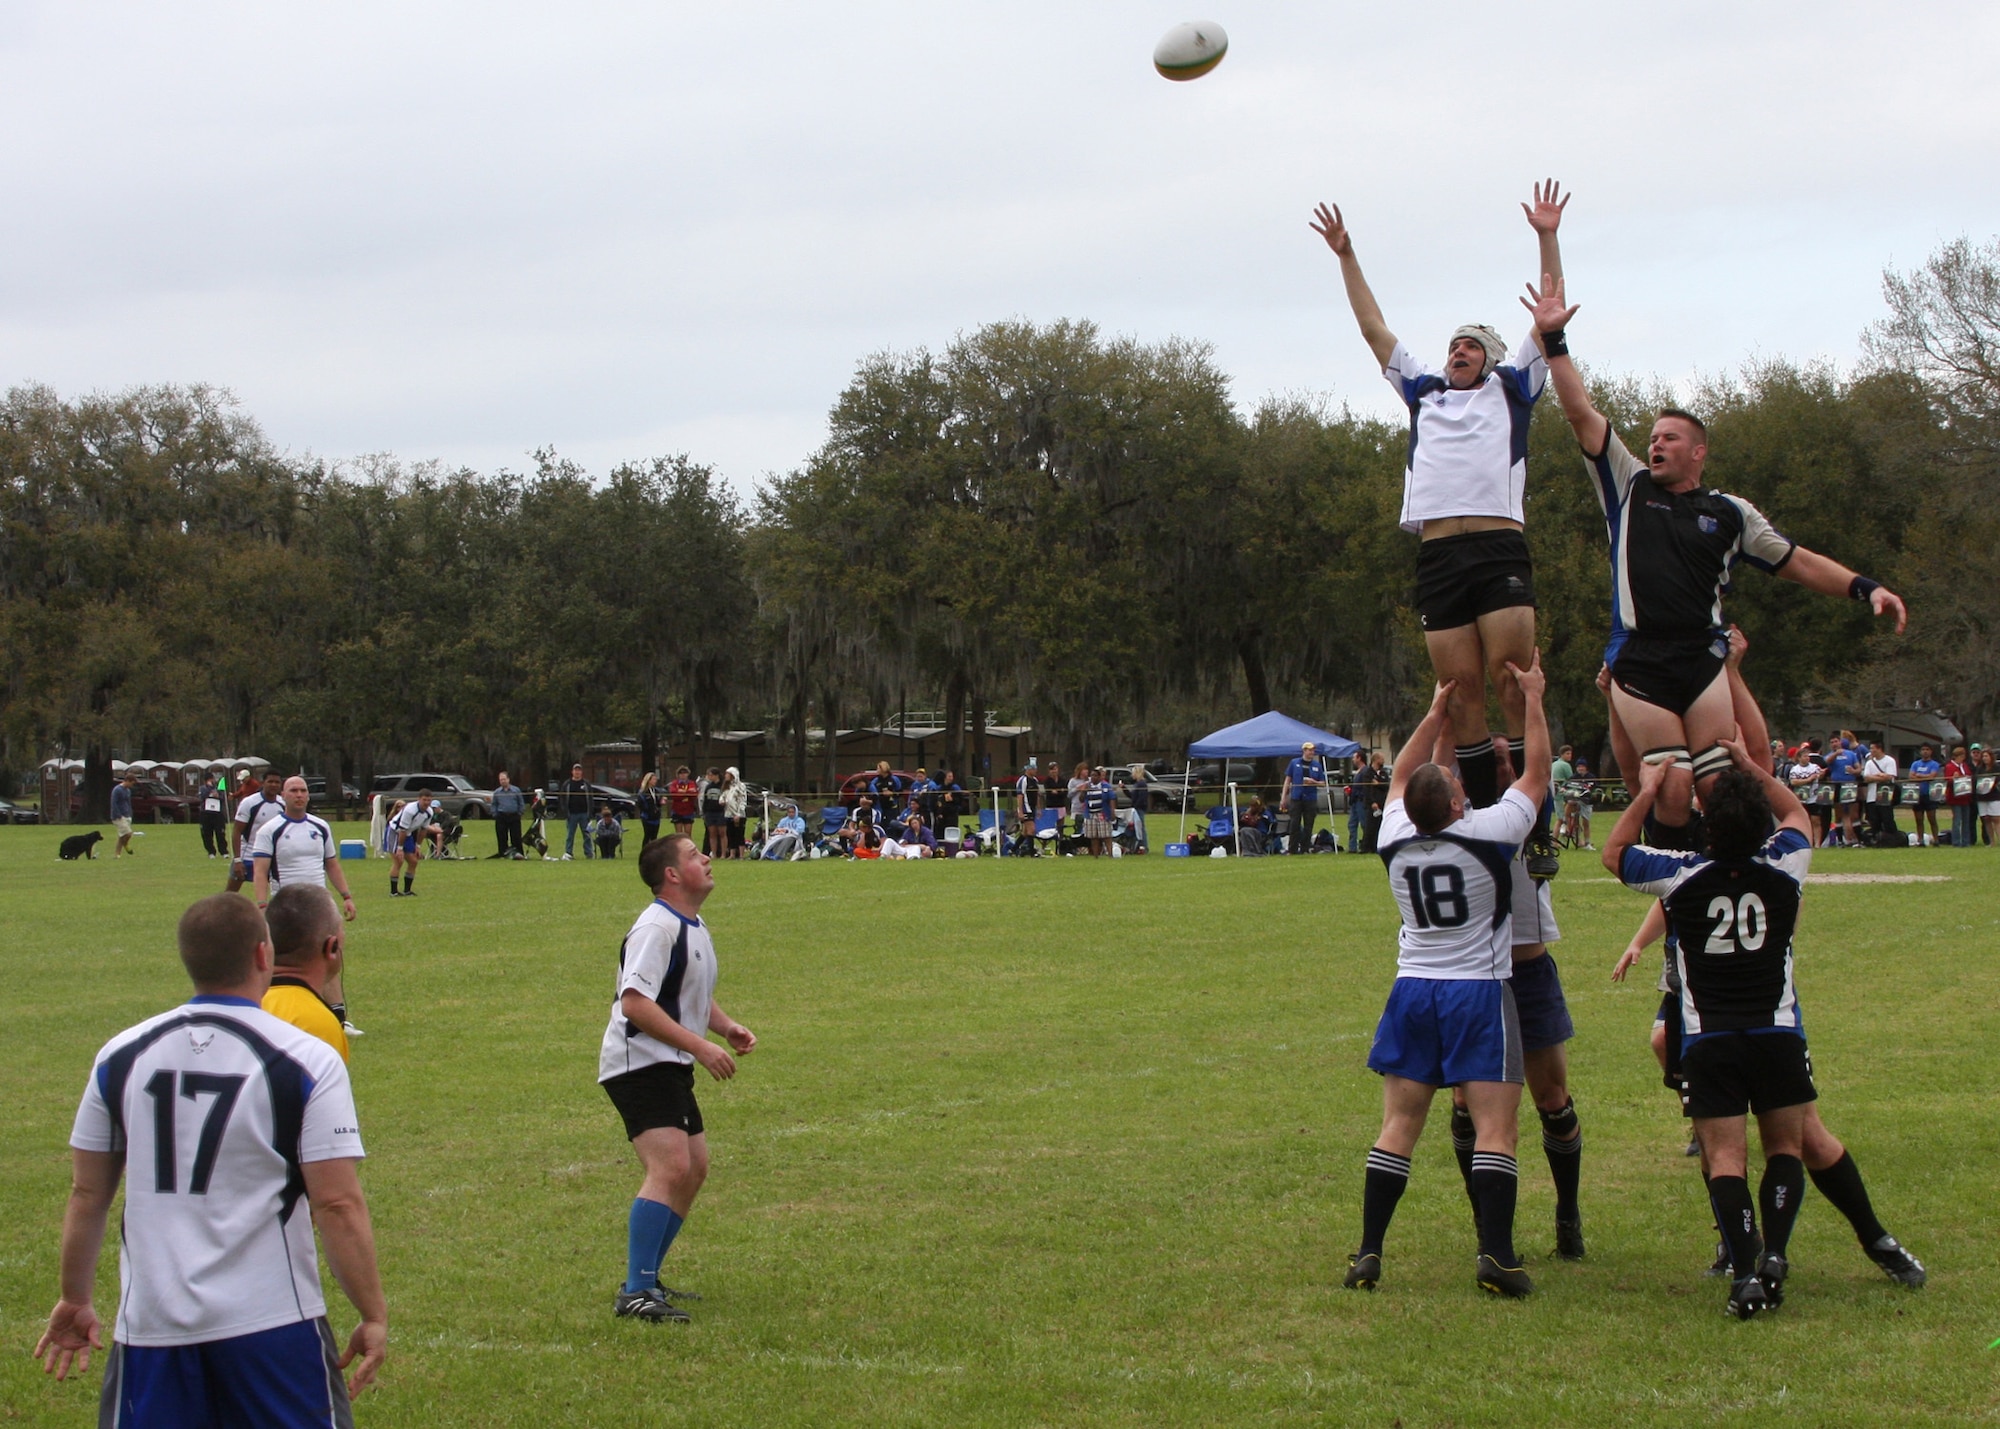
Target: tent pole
x=1184, y=793
x=1235, y=821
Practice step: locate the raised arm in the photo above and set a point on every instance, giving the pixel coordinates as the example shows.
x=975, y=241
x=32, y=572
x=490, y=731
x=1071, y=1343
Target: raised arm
x=1534, y=780
x=1545, y=217
x=1417, y=749
x=1552, y=311
x=1750, y=721
x=1328, y=224
x=1632, y=822
x=1784, y=803
x=1829, y=577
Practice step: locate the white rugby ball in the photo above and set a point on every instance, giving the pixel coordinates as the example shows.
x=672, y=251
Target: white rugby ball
x=1190, y=51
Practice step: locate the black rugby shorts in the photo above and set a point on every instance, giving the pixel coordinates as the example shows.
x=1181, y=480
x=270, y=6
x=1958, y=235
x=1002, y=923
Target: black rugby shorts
x=1671, y=672
x=656, y=1096
x=1763, y=1071
x=1460, y=578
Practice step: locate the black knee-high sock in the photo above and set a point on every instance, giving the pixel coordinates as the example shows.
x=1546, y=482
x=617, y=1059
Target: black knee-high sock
x=1778, y=1197
x=1736, y=1218
x=408, y=879
x=1517, y=752
x=1841, y=1184
x=1388, y=1174
x=1562, y=1142
x=1496, y=1180
x=1477, y=772
x=1461, y=1146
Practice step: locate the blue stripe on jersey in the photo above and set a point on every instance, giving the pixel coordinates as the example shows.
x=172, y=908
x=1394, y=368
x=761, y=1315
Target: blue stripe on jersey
x=1494, y=858
x=1650, y=865
x=288, y=1082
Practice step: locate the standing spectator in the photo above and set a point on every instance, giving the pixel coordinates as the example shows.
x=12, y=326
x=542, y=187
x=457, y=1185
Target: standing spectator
x=121, y=811
x=220, y=1315
x=1357, y=801
x=886, y=787
x=683, y=801
x=648, y=808
x=1377, y=795
x=1804, y=778
x=1304, y=778
x=951, y=801
x=257, y=808
x=1027, y=801
x=607, y=832
x=714, y=822
x=214, y=817
x=1878, y=772
x=1100, y=800
x=1078, y=801
x=1925, y=764
x=1140, y=791
x=735, y=809
x=1986, y=789
x=1958, y=794
x=573, y=794
x=1843, y=772
x=1586, y=797
x=508, y=804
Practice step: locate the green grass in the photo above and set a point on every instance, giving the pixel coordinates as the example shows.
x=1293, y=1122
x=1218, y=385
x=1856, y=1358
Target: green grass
x=1058, y=1142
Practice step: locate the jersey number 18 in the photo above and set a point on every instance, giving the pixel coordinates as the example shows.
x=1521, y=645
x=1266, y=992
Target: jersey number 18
x=1437, y=895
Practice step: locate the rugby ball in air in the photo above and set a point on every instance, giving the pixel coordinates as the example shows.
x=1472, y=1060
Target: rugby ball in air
x=1190, y=51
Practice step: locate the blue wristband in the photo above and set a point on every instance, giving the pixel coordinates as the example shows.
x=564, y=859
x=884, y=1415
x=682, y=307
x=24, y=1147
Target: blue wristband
x=1860, y=588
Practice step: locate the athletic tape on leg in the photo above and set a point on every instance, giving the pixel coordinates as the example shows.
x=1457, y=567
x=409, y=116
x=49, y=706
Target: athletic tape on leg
x=1712, y=760
x=1675, y=754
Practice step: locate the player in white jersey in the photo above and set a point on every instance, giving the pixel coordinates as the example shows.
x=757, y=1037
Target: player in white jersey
x=1463, y=494
x=661, y=1016
x=253, y=811
x=240, y=1135
x=1450, y=1018
x=298, y=847
x=406, y=843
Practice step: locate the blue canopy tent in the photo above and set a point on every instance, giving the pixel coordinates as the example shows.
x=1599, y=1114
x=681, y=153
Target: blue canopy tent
x=1269, y=735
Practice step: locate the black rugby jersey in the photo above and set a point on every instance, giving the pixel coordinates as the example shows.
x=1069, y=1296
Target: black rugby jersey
x=1732, y=923
x=1671, y=555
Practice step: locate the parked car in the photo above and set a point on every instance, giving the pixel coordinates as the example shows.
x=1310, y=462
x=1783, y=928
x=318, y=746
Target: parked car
x=152, y=803
x=13, y=813
x=855, y=785
x=316, y=786
x=454, y=793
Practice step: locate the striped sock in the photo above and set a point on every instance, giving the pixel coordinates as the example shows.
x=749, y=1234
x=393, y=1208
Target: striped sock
x=1562, y=1143
x=1479, y=772
x=1387, y=1175
x=1462, y=1141
x=1496, y=1179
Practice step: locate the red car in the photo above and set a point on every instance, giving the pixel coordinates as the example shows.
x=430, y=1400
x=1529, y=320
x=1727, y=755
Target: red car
x=152, y=803
x=855, y=785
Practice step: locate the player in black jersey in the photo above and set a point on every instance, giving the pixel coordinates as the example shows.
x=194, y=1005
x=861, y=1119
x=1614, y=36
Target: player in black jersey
x=1674, y=544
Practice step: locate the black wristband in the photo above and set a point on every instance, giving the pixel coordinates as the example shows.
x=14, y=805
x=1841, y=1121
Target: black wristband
x=1860, y=588
x=1555, y=344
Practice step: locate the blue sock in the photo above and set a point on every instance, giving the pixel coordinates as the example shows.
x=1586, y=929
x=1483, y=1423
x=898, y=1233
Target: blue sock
x=648, y=1233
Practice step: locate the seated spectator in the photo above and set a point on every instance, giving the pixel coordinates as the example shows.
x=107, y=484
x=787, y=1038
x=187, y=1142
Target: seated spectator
x=607, y=831
x=967, y=848
x=867, y=841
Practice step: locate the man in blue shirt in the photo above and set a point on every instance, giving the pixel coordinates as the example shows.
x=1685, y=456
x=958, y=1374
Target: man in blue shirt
x=121, y=811
x=508, y=804
x=1843, y=771
x=1304, y=778
x=1926, y=763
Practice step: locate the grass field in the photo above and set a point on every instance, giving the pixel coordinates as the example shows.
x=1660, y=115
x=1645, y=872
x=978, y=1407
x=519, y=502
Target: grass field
x=1058, y=1142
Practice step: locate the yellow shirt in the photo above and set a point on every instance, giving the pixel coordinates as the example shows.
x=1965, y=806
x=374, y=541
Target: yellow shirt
x=293, y=1000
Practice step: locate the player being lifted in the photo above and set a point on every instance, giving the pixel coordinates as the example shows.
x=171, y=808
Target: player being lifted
x=1450, y=1019
x=1674, y=544
x=1462, y=497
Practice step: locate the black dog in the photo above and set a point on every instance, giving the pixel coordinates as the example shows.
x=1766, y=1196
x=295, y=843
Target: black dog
x=80, y=845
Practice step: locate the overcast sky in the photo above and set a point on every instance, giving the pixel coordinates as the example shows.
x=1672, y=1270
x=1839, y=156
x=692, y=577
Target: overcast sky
x=463, y=231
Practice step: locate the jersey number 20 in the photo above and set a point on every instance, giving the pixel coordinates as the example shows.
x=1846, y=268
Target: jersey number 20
x=1437, y=895
x=1745, y=917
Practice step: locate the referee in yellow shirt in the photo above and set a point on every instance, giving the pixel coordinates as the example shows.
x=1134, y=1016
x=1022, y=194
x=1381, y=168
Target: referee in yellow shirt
x=307, y=942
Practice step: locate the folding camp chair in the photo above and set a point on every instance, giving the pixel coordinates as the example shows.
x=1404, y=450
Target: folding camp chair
x=1222, y=827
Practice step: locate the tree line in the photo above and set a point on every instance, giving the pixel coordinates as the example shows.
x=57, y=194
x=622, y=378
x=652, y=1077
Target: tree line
x=1039, y=524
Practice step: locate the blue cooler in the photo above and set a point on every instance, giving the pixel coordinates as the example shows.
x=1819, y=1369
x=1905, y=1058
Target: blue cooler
x=354, y=848
x=1176, y=850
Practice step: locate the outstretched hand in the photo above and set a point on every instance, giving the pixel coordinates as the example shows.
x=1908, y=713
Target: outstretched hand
x=1545, y=215
x=1328, y=224
x=1534, y=684
x=1548, y=307
x=1882, y=600
x=1739, y=646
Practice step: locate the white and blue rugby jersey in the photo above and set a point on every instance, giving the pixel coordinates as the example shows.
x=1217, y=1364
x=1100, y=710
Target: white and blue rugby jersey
x=1731, y=923
x=1468, y=449
x=216, y=1106
x=670, y=959
x=253, y=813
x=297, y=849
x=1672, y=555
x=1455, y=890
